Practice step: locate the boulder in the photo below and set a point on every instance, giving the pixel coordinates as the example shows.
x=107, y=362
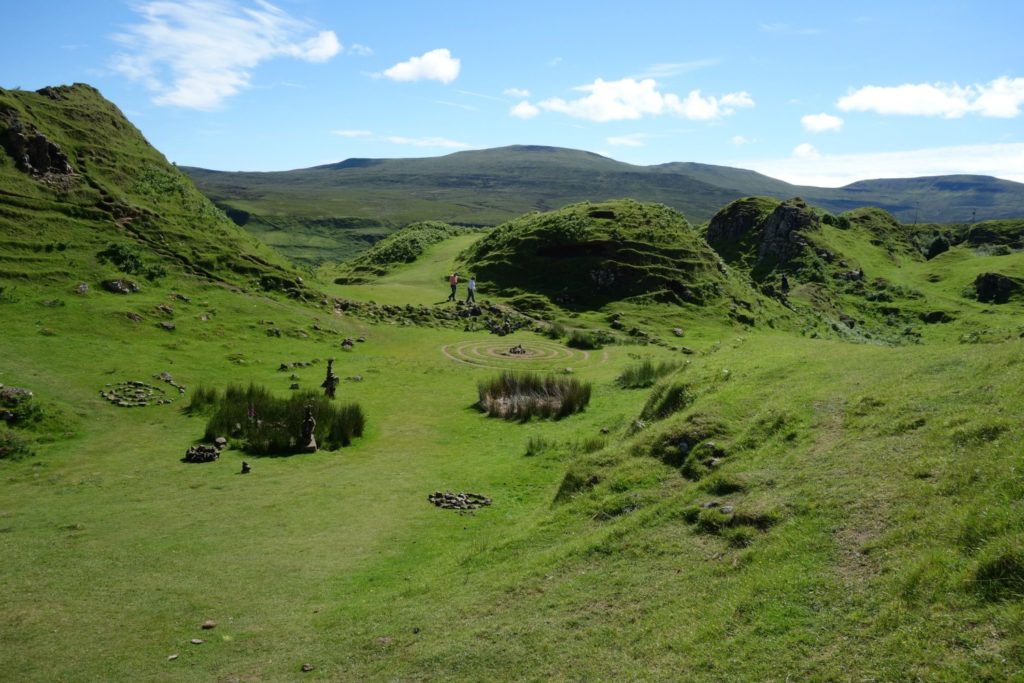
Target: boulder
x=120, y=286
x=995, y=288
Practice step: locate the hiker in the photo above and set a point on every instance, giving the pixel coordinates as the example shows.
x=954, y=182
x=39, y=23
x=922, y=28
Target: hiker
x=453, y=280
x=471, y=289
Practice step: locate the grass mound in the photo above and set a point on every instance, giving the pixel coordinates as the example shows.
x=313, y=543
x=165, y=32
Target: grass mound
x=267, y=425
x=587, y=254
x=404, y=246
x=520, y=396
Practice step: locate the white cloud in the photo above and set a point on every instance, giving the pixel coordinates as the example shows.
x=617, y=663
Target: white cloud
x=524, y=110
x=360, y=50
x=1001, y=98
x=352, y=133
x=436, y=65
x=819, y=123
x=196, y=53
x=517, y=92
x=806, y=151
x=633, y=140
x=427, y=142
x=1003, y=160
x=630, y=99
x=739, y=140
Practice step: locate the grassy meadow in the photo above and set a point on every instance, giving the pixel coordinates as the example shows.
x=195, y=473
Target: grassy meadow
x=871, y=484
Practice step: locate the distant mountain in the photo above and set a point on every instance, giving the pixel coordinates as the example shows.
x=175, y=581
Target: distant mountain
x=357, y=200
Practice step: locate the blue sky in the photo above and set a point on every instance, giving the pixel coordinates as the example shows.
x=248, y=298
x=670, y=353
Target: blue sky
x=810, y=92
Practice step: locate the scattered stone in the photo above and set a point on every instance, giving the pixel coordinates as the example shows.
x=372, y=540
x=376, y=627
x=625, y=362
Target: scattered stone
x=171, y=658
x=306, y=668
x=463, y=502
x=120, y=286
x=361, y=339
x=726, y=509
x=517, y=350
x=134, y=317
x=208, y=624
x=273, y=332
x=197, y=641
x=678, y=331
x=166, y=325
x=294, y=386
x=347, y=344
x=604, y=430
x=82, y=288
x=220, y=443
x=201, y=453
x=246, y=468
x=711, y=504
x=355, y=378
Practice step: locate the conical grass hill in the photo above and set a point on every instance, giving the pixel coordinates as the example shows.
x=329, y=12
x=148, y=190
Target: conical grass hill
x=77, y=179
x=589, y=254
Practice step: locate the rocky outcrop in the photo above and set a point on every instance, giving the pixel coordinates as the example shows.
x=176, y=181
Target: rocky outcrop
x=735, y=231
x=784, y=232
x=996, y=288
x=32, y=151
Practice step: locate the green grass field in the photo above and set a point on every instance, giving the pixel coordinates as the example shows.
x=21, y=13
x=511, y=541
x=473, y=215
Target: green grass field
x=882, y=477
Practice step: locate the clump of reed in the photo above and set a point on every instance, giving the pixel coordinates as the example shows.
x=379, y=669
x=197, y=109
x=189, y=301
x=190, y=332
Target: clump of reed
x=268, y=425
x=520, y=396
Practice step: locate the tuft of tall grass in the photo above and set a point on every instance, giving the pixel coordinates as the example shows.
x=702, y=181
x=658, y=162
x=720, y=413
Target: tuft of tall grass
x=520, y=396
x=645, y=374
x=267, y=425
x=666, y=399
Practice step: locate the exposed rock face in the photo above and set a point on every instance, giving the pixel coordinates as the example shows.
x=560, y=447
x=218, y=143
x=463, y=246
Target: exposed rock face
x=737, y=222
x=995, y=288
x=784, y=232
x=32, y=151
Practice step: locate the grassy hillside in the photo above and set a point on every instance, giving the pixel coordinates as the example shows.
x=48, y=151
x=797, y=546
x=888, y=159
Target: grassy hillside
x=794, y=497
x=76, y=177
x=334, y=211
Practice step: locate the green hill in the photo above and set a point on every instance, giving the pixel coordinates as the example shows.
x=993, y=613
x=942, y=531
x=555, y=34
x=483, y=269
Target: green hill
x=76, y=178
x=334, y=211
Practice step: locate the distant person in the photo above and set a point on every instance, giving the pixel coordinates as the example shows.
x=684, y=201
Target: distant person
x=453, y=280
x=471, y=289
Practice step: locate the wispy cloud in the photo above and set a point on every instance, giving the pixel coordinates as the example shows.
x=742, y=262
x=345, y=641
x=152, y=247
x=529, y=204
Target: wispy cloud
x=427, y=142
x=352, y=133
x=1003, y=160
x=782, y=28
x=820, y=123
x=524, y=110
x=669, y=69
x=1000, y=98
x=359, y=50
x=631, y=140
x=197, y=53
x=740, y=140
x=629, y=99
x=516, y=92
x=436, y=65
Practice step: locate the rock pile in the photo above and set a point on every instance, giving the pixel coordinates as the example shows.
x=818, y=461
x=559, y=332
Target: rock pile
x=463, y=502
x=120, y=286
x=135, y=394
x=201, y=453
